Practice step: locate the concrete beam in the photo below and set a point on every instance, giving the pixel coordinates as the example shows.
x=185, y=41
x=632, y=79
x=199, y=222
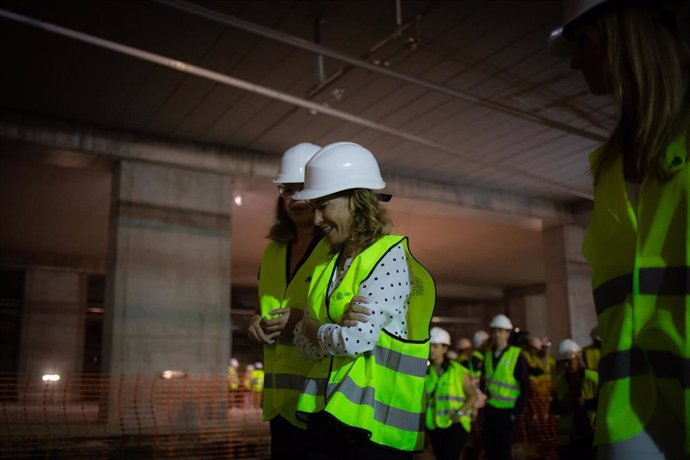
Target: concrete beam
x=117, y=146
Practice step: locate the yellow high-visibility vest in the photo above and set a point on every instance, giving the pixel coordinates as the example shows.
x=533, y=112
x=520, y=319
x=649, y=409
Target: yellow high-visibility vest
x=640, y=257
x=503, y=387
x=445, y=394
x=285, y=369
x=380, y=391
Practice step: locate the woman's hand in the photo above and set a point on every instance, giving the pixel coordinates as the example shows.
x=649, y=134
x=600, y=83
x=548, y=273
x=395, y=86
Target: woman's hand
x=256, y=331
x=283, y=325
x=356, y=312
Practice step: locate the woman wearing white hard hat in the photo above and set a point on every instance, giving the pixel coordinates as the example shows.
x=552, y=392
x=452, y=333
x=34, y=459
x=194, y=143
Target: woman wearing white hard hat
x=367, y=327
x=450, y=398
x=574, y=400
x=638, y=239
x=505, y=380
x=296, y=246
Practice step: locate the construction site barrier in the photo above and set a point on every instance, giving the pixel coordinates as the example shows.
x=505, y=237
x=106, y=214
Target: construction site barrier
x=129, y=417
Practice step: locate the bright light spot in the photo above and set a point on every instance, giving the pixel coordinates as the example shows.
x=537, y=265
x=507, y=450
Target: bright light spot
x=51, y=377
x=169, y=374
x=238, y=200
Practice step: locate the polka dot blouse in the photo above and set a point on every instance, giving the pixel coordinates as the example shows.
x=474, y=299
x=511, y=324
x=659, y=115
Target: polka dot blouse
x=387, y=289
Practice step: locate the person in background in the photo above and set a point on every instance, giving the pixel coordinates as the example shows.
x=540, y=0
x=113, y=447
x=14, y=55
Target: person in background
x=450, y=397
x=592, y=352
x=295, y=248
x=257, y=384
x=547, y=361
x=480, y=342
x=507, y=385
x=638, y=240
x=247, y=384
x=464, y=353
x=531, y=347
x=367, y=323
x=574, y=400
x=233, y=380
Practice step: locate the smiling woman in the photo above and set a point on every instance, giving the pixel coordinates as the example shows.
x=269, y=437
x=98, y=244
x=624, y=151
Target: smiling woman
x=368, y=315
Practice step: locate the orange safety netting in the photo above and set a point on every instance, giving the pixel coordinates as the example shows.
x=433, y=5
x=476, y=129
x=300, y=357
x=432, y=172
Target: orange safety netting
x=101, y=416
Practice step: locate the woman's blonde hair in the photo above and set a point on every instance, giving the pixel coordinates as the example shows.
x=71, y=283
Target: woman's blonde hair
x=369, y=219
x=647, y=74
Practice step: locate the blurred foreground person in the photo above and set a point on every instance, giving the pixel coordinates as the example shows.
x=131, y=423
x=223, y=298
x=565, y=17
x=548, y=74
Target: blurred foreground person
x=367, y=324
x=637, y=241
x=450, y=399
x=506, y=382
x=295, y=248
x=575, y=402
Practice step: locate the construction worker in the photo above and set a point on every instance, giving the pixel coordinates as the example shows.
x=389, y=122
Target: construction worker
x=295, y=248
x=547, y=360
x=450, y=397
x=638, y=243
x=592, y=352
x=480, y=342
x=530, y=350
x=506, y=382
x=367, y=327
x=256, y=385
x=574, y=400
x=233, y=380
x=247, y=384
x=464, y=353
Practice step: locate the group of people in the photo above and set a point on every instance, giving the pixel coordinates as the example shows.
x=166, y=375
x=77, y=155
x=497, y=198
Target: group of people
x=249, y=385
x=345, y=308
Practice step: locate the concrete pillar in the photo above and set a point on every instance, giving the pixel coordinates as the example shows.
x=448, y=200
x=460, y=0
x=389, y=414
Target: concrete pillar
x=167, y=297
x=168, y=288
x=52, y=323
x=569, y=304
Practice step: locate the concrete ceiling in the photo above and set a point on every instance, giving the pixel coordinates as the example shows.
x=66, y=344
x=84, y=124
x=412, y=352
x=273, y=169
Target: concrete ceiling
x=475, y=104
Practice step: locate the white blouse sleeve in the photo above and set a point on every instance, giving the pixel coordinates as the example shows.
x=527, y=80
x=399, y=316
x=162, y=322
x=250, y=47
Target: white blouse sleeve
x=305, y=348
x=387, y=289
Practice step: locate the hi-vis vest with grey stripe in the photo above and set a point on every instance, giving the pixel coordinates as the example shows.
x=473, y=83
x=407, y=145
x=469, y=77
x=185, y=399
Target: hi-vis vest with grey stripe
x=380, y=391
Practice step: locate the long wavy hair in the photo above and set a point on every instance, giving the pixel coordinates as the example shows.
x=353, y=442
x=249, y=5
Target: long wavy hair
x=647, y=72
x=283, y=230
x=369, y=220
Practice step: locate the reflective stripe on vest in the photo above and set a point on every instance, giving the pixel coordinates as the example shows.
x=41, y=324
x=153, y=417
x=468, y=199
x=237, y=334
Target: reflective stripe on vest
x=285, y=369
x=380, y=391
x=445, y=395
x=503, y=387
x=640, y=258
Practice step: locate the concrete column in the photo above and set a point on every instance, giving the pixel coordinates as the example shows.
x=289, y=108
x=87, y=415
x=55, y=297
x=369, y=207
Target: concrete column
x=569, y=304
x=167, y=298
x=52, y=322
x=168, y=287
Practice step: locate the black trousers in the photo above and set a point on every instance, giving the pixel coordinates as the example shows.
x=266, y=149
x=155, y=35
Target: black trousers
x=287, y=441
x=497, y=433
x=331, y=440
x=448, y=442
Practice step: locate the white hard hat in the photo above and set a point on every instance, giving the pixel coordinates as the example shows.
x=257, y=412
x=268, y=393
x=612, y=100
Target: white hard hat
x=250, y=367
x=234, y=362
x=258, y=365
x=501, y=322
x=337, y=167
x=568, y=349
x=292, y=163
x=479, y=338
x=438, y=335
x=573, y=10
